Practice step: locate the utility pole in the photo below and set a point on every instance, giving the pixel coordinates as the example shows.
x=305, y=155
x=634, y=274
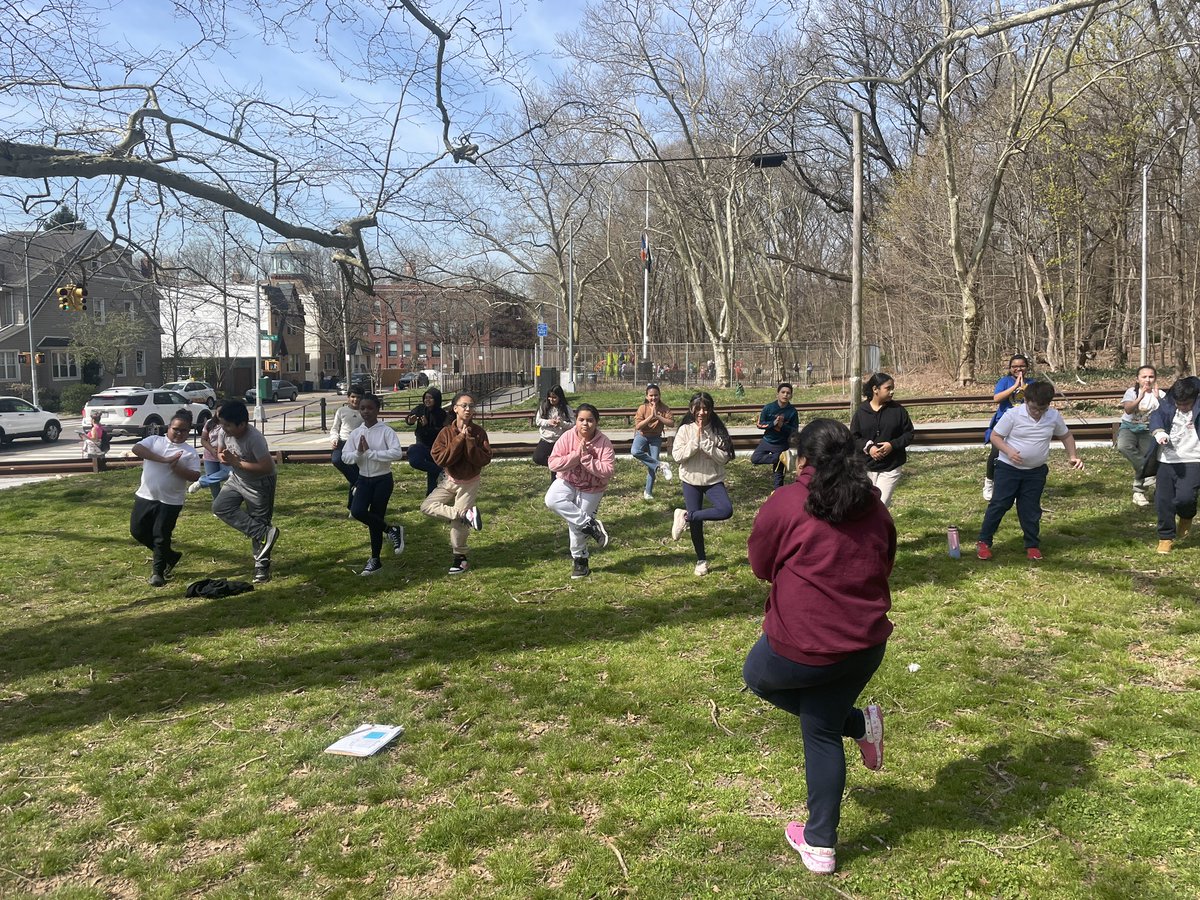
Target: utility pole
x=856, y=269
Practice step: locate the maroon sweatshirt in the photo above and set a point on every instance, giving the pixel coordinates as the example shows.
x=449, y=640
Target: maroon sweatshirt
x=829, y=583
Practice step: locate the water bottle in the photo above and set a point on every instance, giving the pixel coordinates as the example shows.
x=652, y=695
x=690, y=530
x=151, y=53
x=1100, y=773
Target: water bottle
x=952, y=545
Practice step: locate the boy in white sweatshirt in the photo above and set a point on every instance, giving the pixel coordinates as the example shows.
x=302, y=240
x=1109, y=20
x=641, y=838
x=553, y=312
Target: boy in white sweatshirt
x=372, y=447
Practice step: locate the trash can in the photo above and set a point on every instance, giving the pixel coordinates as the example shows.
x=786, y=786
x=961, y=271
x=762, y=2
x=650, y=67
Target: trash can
x=591, y=379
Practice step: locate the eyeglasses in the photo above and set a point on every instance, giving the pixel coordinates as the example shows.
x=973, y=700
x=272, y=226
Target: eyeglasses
x=652, y=386
x=465, y=406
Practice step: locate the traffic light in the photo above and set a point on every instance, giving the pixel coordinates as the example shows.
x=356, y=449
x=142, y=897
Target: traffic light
x=79, y=297
x=39, y=358
x=64, y=296
x=271, y=365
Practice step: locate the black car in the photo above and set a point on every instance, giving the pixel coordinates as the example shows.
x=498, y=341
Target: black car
x=361, y=381
x=412, y=380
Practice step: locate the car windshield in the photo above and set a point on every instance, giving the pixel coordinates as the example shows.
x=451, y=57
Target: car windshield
x=175, y=386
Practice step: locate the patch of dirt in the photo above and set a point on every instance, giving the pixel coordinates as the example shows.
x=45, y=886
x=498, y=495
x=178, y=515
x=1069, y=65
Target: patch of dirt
x=1171, y=673
x=423, y=884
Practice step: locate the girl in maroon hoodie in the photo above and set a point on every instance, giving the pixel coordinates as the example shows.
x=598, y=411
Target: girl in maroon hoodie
x=826, y=543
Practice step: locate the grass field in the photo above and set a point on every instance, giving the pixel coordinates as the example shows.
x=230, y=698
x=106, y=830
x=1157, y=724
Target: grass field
x=585, y=739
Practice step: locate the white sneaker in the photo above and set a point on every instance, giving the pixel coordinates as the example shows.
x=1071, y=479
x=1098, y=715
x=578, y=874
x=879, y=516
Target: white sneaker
x=1139, y=499
x=193, y=487
x=988, y=487
x=646, y=495
x=679, y=524
x=701, y=568
x=664, y=469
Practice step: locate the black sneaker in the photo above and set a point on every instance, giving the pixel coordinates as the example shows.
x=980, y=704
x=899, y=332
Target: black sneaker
x=396, y=536
x=264, y=551
x=458, y=566
x=262, y=572
x=474, y=518
x=373, y=565
x=156, y=580
x=169, y=568
x=580, y=569
x=596, y=531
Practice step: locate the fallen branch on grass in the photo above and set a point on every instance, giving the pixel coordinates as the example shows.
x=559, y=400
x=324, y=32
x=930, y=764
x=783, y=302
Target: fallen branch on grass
x=715, y=716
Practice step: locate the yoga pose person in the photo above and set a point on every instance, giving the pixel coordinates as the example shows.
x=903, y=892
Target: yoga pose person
x=345, y=420
x=702, y=448
x=583, y=461
x=251, y=485
x=651, y=418
x=1134, y=441
x=373, y=446
x=827, y=544
x=462, y=448
x=882, y=429
x=430, y=419
x=779, y=421
x=1173, y=425
x=553, y=419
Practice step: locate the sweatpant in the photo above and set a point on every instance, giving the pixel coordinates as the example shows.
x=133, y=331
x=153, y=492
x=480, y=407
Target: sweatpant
x=1135, y=447
x=765, y=453
x=1025, y=486
x=886, y=482
x=259, y=499
x=349, y=472
x=1175, y=495
x=698, y=514
x=541, y=456
x=576, y=508
x=420, y=458
x=151, y=524
x=823, y=698
x=370, y=505
x=449, y=500
x=646, y=450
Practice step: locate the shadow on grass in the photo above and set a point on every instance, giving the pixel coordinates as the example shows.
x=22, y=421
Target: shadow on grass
x=998, y=790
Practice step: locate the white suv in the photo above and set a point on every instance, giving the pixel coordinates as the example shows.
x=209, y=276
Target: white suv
x=139, y=411
x=200, y=391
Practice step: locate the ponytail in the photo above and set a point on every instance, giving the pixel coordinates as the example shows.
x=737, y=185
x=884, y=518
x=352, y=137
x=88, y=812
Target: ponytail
x=840, y=489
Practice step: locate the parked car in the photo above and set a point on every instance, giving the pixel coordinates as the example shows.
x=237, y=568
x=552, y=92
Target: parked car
x=281, y=389
x=138, y=412
x=361, y=380
x=412, y=380
x=21, y=419
x=199, y=391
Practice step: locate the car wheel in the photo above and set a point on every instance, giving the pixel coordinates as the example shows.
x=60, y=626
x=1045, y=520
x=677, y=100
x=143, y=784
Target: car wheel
x=274, y=397
x=201, y=420
x=210, y=402
x=154, y=425
x=51, y=432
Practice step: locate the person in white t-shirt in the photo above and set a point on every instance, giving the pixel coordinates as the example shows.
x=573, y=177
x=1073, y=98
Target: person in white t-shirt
x=1134, y=441
x=1023, y=438
x=1173, y=426
x=169, y=464
x=372, y=448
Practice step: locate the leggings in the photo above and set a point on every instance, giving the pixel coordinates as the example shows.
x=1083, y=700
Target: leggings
x=693, y=499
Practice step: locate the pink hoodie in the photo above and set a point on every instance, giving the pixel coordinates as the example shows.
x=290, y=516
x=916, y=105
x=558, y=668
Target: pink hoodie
x=589, y=472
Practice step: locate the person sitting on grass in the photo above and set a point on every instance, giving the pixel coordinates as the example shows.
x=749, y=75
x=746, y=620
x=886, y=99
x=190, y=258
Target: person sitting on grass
x=169, y=464
x=1173, y=425
x=1022, y=439
x=372, y=447
x=827, y=545
x=461, y=448
x=583, y=461
x=779, y=421
x=251, y=484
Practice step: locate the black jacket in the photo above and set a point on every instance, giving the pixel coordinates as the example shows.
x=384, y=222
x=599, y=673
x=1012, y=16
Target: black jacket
x=1161, y=419
x=891, y=424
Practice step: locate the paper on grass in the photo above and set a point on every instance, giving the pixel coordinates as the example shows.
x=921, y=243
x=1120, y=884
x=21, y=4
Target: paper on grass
x=365, y=740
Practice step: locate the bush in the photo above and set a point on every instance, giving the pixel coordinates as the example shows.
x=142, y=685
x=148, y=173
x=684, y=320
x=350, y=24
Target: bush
x=76, y=396
x=50, y=400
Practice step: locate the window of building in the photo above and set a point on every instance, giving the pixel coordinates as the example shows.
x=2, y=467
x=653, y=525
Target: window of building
x=393, y=327
x=294, y=362
x=9, y=370
x=120, y=368
x=139, y=362
x=378, y=349
x=9, y=314
x=407, y=348
x=422, y=348
x=64, y=366
x=437, y=350
x=391, y=348
x=377, y=328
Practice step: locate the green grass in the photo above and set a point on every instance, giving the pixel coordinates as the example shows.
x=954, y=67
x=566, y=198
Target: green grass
x=584, y=739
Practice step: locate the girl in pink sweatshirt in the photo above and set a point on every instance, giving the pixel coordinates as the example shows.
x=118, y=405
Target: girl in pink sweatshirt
x=582, y=461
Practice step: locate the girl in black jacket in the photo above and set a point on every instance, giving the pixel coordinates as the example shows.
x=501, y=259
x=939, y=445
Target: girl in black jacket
x=882, y=429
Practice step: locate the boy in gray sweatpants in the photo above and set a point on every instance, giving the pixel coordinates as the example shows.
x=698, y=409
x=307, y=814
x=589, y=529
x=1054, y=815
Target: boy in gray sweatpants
x=251, y=483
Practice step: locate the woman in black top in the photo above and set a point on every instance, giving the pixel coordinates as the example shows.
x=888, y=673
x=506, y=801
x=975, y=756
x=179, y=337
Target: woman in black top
x=882, y=429
x=430, y=418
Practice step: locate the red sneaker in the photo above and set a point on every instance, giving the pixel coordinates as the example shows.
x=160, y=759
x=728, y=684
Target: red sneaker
x=983, y=551
x=1034, y=553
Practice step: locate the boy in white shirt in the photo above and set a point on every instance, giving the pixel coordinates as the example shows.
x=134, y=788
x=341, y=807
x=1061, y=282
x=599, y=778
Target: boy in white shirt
x=1023, y=438
x=345, y=420
x=169, y=464
x=372, y=447
x=1173, y=425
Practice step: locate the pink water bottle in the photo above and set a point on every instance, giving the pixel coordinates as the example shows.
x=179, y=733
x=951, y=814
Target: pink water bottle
x=952, y=542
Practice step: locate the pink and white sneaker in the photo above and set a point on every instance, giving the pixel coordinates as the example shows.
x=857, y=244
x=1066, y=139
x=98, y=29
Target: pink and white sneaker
x=870, y=745
x=822, y=860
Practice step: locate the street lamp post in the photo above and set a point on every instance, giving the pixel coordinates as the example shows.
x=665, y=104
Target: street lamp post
x=33, y=378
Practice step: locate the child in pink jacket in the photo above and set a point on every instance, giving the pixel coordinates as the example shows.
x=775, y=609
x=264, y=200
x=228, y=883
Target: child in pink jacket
x=583, y=462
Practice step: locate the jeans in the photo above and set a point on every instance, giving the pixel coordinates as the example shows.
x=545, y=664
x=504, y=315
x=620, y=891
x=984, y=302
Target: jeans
x=1025, y=486
x=348, y=471
x=1175, y=495
x=1135, y=446
x=151, y=524
x=823, y=698
x=577, y=508
x=646, y=450
x=370, y=505
x=693, y=499
x=259, y=498
x=214, y=474
x=766, y=452
x=419, y=458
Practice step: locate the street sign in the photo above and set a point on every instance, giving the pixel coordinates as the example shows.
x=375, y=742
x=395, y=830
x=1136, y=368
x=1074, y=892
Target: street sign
x=543, y=329
x=263, y=336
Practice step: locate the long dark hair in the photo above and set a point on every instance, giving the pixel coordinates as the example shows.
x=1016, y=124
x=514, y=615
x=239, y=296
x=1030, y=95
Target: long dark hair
x=703, y=398
x=879, y=379
x=438, y=415
x=840, y=489
x=543, y=411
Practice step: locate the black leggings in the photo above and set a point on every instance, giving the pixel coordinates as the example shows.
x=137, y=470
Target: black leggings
x=371, y=496
x=693, y=499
